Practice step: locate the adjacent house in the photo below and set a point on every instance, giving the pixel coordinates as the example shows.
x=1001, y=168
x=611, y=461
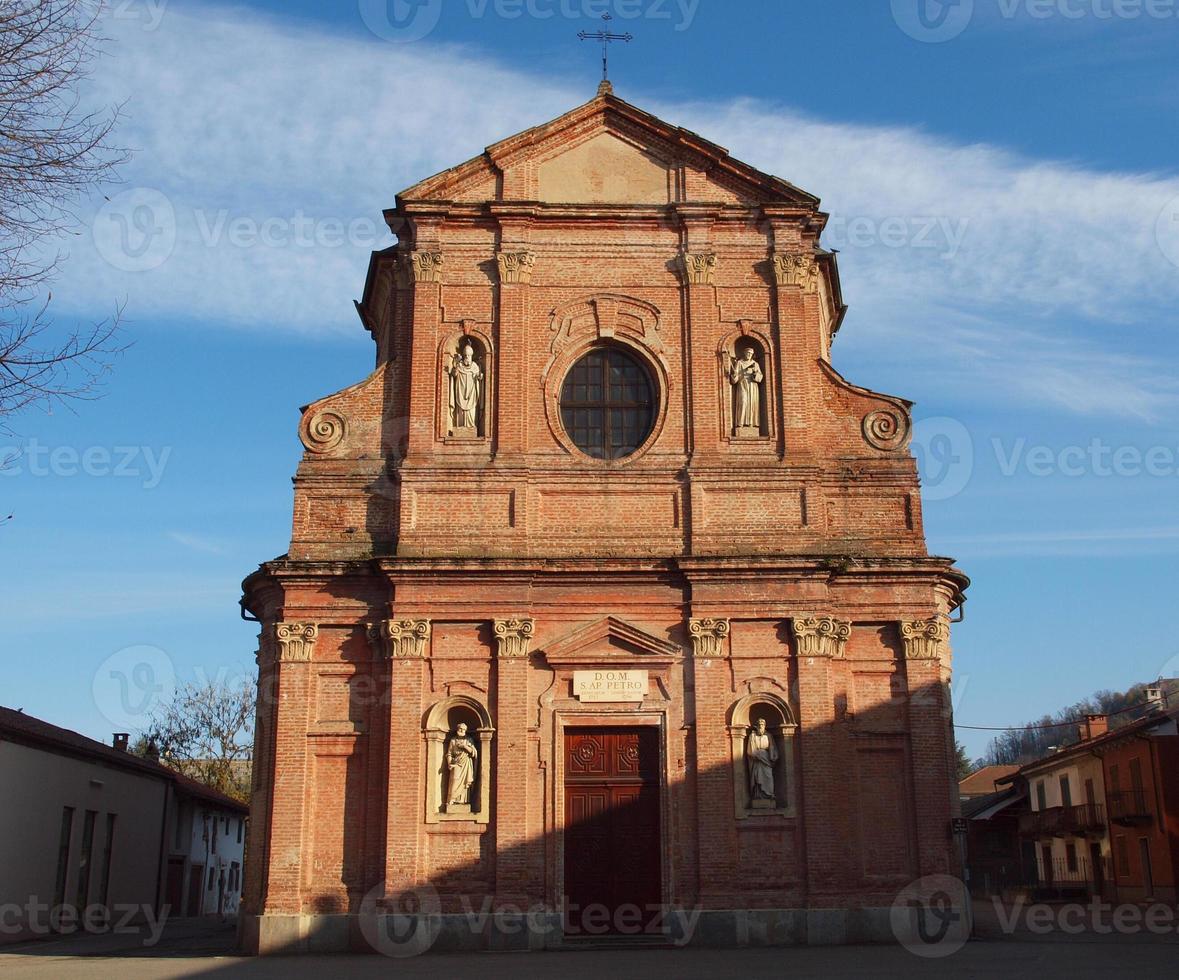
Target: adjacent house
x=1104, y=817
x=1140, y=763
x=998, y=861
x=103, y=836
x=1066, y=822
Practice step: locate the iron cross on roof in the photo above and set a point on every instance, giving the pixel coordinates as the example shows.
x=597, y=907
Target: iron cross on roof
x=605, y=37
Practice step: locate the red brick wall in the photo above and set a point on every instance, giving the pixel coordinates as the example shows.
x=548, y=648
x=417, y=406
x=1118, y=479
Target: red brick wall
x=395, y=519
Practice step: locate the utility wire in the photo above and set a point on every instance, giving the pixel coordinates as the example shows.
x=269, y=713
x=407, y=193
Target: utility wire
x=1058, y=724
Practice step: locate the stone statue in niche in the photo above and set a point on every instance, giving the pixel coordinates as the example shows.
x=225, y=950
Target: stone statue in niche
x=466, y=392
x=746, y=376
x=460, y=764
x=762, y=755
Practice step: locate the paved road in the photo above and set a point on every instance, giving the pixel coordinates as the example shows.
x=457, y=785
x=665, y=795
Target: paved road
x=206, y=950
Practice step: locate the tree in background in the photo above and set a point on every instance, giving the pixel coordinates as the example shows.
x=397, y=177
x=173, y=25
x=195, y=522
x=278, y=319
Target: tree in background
x=1038, y=738
x=964, y=765
x=206, y=732
x=52, y=153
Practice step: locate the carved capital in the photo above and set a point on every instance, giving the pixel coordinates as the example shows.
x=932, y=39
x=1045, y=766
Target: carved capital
x=698, y=268
x=426, y=266
x=796, y=269
x=398, y=639
x=513, y=636
x=295, y=642
x=708, y=637
x=820, y=636
x=925, y=639
x=516, y=266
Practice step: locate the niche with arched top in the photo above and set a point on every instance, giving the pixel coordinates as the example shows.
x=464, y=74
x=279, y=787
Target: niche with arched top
x=746, y=385
x=466, y=387
x=763, y=738
x=458, y=737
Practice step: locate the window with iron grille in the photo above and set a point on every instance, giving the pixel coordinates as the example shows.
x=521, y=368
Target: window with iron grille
x=608, y=403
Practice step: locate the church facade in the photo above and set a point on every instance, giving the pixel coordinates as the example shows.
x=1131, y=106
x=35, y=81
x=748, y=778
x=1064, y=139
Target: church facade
x=607, y=606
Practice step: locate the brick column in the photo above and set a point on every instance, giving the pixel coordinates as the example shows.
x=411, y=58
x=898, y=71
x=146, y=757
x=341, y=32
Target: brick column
x=703, y=332
x=796, y=317
x=406, y=645
x=715, y=824
x=925, y=643
x=293, y=648
x=422, y=269
x=262, y=777
x=512, y=331
x=513, y=767
x=820, y=640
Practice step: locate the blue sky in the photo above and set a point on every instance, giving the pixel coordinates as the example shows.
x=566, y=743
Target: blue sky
x=1004, y=200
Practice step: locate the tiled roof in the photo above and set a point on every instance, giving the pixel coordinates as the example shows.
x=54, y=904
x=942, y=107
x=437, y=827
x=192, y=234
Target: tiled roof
x=982, y=781
x=19, y=727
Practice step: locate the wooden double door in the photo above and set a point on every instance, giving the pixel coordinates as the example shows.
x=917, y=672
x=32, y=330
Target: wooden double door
x=613, y=840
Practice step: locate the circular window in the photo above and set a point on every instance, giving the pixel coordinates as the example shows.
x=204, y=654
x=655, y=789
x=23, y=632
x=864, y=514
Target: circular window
x=608, y=404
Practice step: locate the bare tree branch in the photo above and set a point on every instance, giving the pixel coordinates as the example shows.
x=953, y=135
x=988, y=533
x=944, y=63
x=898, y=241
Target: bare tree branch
x=207, y=733
x=52, y=153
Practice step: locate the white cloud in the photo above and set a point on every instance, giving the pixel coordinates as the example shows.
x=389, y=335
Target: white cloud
x=957, y=259
x=196, y=542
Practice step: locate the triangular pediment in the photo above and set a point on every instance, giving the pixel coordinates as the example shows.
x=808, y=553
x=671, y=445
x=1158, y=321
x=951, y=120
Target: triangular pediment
x=611, y=640
x=607, y=152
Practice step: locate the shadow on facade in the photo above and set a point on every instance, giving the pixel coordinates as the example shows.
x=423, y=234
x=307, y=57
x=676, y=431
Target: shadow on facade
x=649, y=836
x=642, y=842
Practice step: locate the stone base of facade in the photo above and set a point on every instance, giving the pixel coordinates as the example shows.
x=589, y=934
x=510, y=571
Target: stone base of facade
x=406, y=935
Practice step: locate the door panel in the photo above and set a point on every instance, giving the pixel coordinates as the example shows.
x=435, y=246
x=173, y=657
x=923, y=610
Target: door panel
x=612, y=831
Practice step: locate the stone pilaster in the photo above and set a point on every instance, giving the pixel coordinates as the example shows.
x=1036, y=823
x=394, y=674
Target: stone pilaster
x=819, y=643
x=708, y=637
x=926, y=652
x=426, y=266
x=820, y=636
x=796, y=269
x=513, y=316
x=515, y=266
x=423, y=268
x=715, y=827
x=513, y=636
x=398, y=639
x=513, y=766
x=287, y=652
x=925, y=639
x=698, y=268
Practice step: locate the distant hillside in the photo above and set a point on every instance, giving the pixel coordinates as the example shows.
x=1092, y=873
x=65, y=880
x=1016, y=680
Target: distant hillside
x=1037, y=739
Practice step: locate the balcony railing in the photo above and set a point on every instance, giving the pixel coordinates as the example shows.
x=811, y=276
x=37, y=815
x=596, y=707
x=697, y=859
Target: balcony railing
x=1064, y=821
x=1082, y=875
x=1128, y=806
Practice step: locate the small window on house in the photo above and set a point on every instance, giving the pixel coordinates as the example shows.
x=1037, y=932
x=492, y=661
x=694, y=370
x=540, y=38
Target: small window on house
x=1114, y=778
x=1136, y=774
x=212, y=877
x=1066, y=792
x=1041, y=796
x=1070, y=856
x=1123, y=858
x=239, y=830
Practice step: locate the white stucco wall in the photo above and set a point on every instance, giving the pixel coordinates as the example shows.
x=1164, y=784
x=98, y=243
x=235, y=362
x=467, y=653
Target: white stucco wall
x=44, y=782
